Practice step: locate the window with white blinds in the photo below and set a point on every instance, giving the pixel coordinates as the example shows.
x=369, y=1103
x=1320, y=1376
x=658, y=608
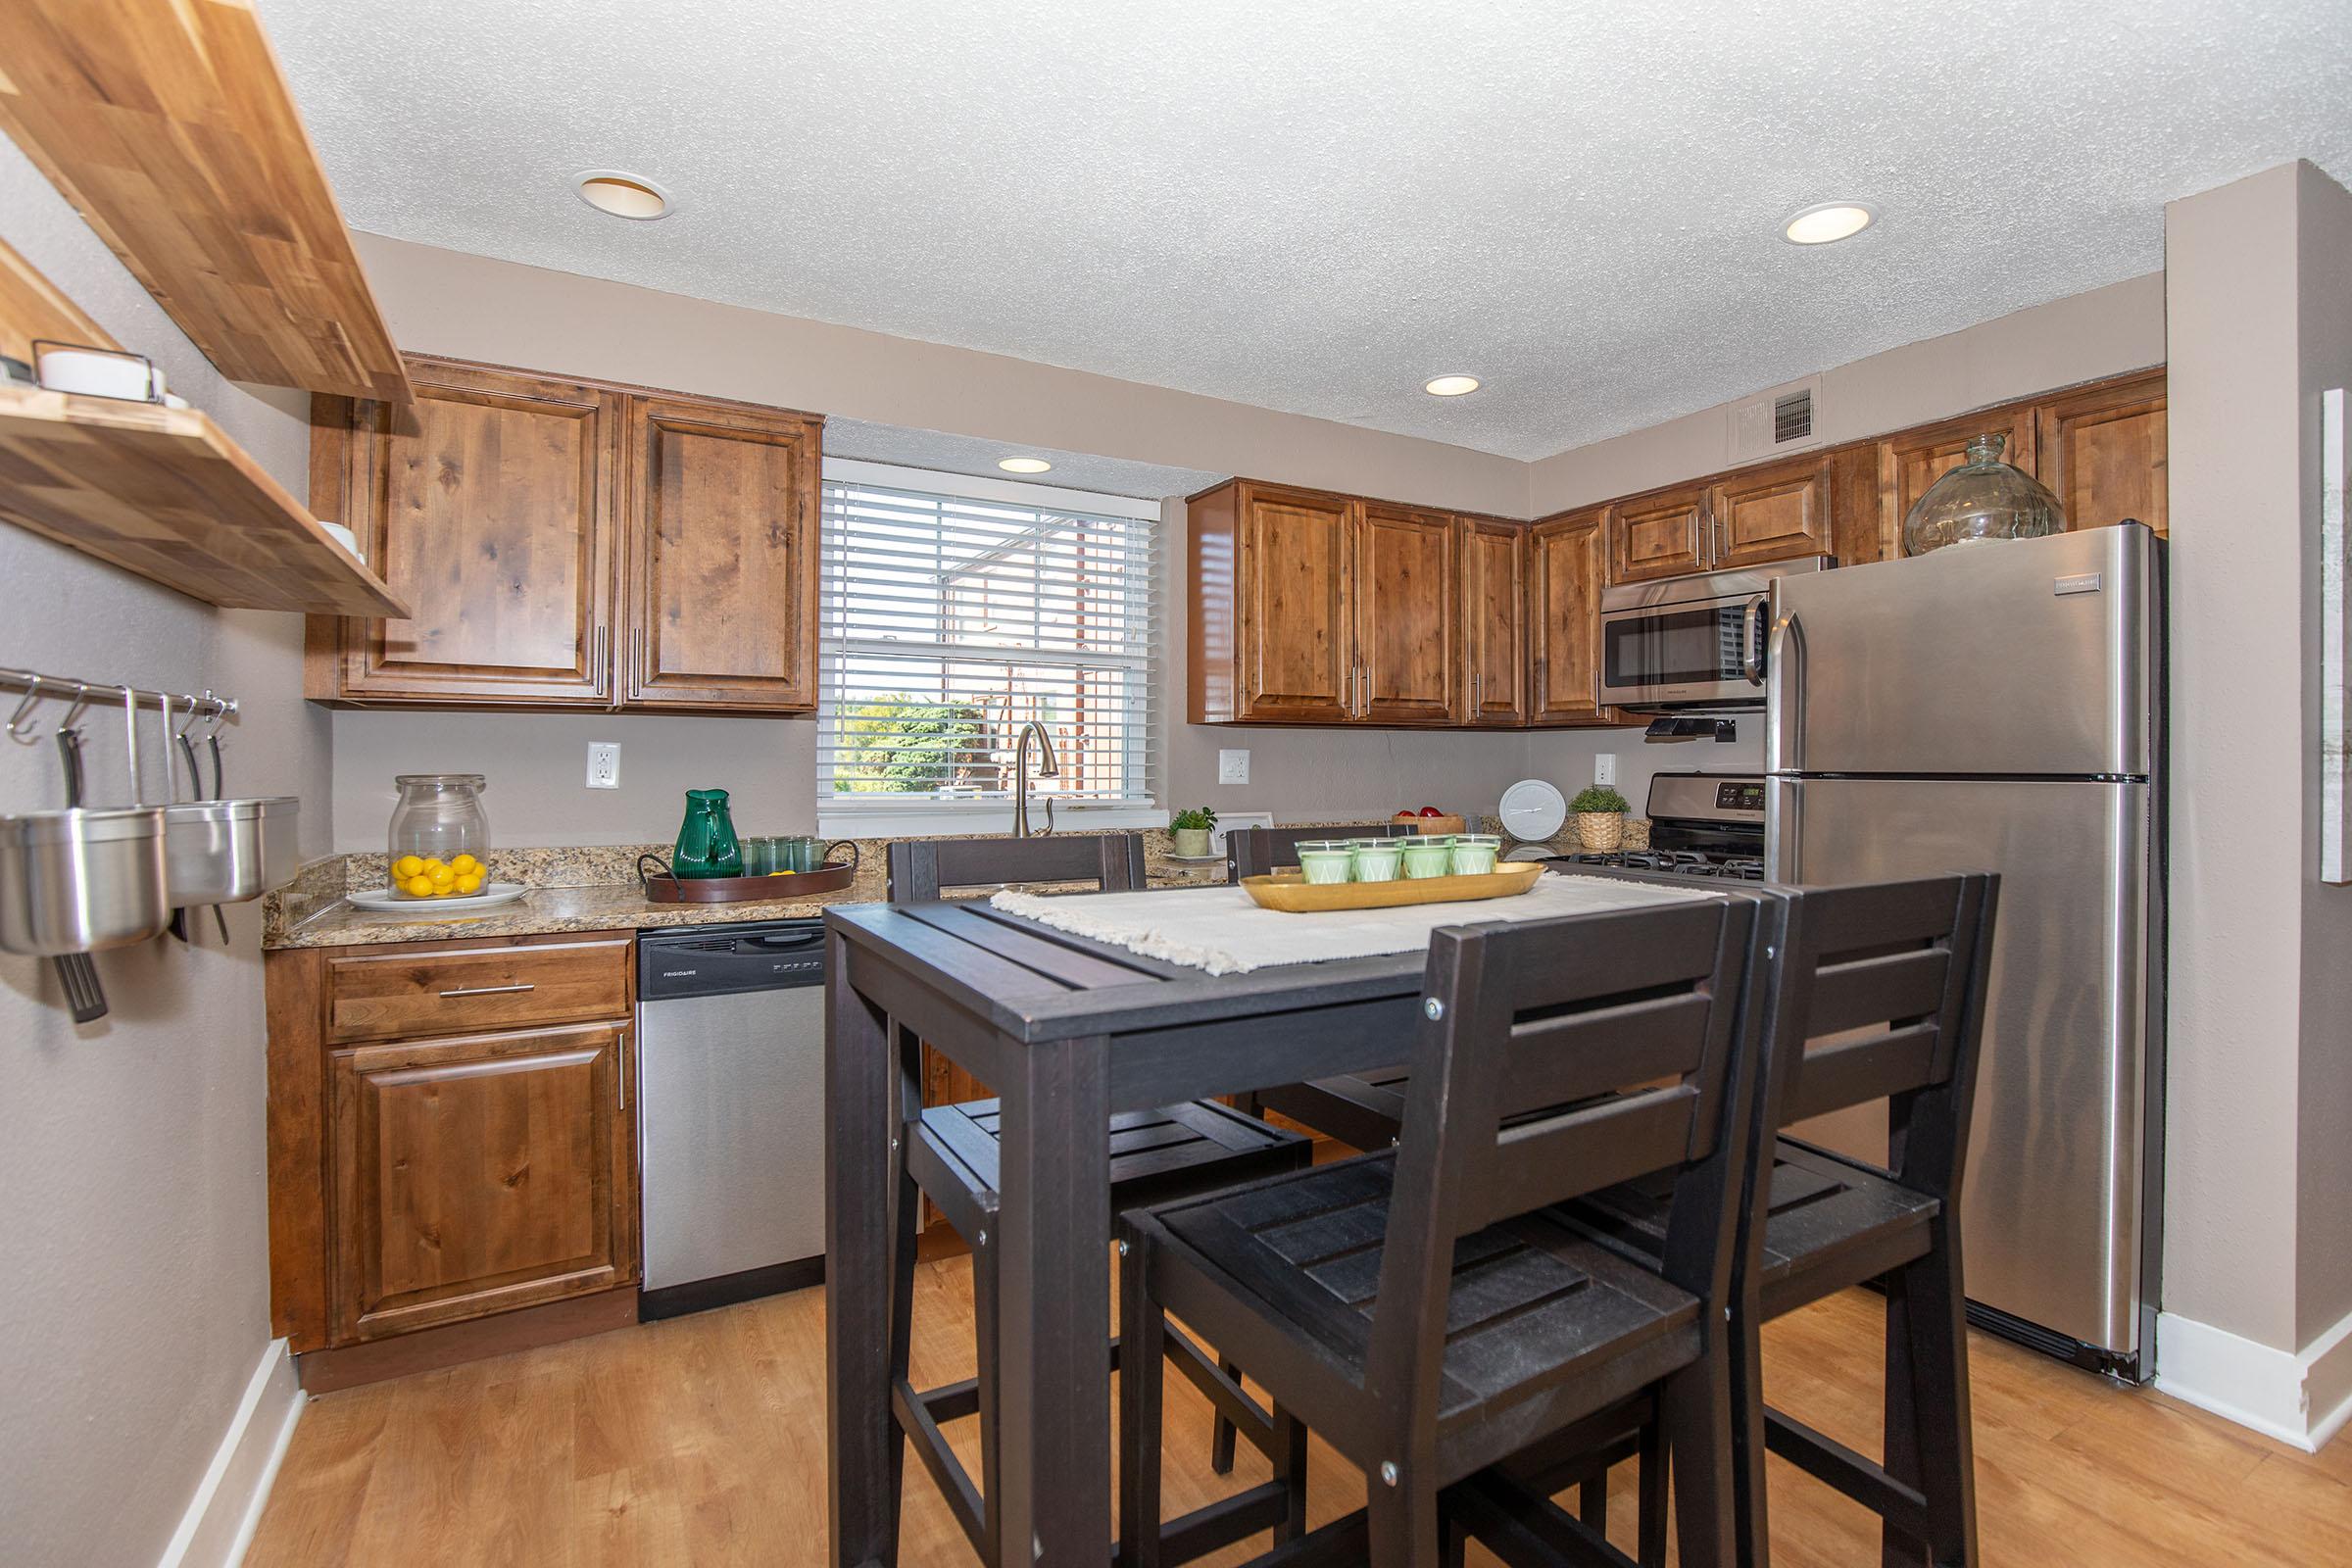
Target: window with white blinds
x=955, y=611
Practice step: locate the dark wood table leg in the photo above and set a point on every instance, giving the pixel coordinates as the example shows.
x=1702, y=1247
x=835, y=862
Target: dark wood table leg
x=1054, y=1319
x=860, y=1437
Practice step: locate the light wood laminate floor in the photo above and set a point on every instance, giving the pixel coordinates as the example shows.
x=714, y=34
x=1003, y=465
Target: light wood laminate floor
x=701, y=1441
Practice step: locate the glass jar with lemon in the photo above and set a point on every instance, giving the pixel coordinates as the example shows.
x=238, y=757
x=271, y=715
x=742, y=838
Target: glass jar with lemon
x=439, y=837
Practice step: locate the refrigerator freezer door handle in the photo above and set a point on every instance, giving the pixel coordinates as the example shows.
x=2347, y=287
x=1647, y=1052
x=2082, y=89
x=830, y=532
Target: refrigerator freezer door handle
x=1785, y=696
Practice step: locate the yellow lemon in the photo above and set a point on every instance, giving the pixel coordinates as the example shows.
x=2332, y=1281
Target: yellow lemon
x=433, y=864
x=418, y=887
x=441, y=876
x=407, y=866
x=464, y=864
x=471, y=882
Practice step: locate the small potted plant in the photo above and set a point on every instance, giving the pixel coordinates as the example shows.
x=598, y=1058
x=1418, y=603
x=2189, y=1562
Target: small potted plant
x=1599, y=818
x=1191, y=829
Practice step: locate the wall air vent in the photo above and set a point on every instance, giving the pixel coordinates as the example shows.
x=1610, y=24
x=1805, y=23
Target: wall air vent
x=1779, y=419
x=1792, y=417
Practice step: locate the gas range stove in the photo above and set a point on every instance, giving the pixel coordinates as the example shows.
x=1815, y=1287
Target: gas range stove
x=1701, y=825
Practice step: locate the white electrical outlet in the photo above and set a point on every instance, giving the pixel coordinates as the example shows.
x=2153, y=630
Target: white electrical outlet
x=1232, y=767
x=604, y=765
x=1604, y=767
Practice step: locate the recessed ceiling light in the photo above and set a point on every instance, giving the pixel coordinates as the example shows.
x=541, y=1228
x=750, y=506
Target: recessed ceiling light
x=1828, y=222
x=623, y=194
x=1451, y=386
x=1024, y=466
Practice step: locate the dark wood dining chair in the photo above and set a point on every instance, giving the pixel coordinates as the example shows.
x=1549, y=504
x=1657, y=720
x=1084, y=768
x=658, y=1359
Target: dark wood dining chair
x=1260, y=851
x=951, y=1153
x=1430, y=1311
x=1881, y=999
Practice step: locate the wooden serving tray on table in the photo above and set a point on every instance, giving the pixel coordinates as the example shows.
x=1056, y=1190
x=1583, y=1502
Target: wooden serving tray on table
x=1290, y=891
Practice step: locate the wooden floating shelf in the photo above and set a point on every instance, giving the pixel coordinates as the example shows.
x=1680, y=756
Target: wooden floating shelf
x=31, y=307
x=168, y=124
x=164, y=493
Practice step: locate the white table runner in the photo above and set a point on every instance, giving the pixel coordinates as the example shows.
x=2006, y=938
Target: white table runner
x=1223, y=931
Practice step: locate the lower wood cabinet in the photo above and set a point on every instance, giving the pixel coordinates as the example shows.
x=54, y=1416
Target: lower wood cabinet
x=478, y=1175
x=449, y=1137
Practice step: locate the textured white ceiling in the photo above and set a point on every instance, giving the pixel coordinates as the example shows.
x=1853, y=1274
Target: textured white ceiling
x=1315, y=205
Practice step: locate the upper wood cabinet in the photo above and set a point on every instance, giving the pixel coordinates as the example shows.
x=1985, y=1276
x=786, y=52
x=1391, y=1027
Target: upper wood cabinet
x=571, y=544
x=722, y=570
x=1912, y=460
x=1775, y=513
x=1564, y=576
x=487, y=507
x=1658, y=535
x=1293, y=558
x=1495, y=620
x=2101, y=450
x=1408, y=597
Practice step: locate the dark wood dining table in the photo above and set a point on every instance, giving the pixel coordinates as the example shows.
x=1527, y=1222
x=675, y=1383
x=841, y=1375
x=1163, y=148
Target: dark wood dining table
x=1067, y=1031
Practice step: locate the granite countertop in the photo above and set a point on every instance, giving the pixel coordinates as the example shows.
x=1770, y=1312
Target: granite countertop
x=578, y=889
x=595, y=888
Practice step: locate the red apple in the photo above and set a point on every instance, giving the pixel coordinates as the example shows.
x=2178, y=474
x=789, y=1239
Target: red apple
x=1431, y=810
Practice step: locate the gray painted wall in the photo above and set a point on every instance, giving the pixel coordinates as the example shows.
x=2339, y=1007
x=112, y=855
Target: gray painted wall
x=132, y=1199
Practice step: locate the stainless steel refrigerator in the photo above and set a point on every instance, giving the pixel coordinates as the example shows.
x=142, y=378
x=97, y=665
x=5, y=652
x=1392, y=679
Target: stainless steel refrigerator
x=1999, y=705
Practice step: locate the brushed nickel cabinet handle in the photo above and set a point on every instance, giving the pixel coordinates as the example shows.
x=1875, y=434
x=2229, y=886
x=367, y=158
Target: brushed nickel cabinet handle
x=599, y=673
x=487, y=991
x=621, y=1073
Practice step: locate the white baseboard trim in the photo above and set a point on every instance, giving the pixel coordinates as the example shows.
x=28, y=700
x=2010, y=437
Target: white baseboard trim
x=226, y=1509
x=2302, y=1400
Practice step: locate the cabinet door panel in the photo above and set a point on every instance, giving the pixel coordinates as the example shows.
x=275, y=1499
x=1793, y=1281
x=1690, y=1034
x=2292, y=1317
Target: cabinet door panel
x=488, y=502
x=1658, y=535
x=1911, y=462
x=479, y=1174
x=1408, y=598
x=2102, y=454
x=722, y=558
x=1775, y=513
x=1495, y=620
x=1564, y=581
x=1297, y=604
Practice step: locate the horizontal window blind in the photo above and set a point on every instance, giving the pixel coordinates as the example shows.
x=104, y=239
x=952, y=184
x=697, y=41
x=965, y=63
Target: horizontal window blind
x=950, y=620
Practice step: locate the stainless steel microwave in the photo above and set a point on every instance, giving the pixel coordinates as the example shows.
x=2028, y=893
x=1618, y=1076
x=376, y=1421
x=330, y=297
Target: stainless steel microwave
x=1690, y=642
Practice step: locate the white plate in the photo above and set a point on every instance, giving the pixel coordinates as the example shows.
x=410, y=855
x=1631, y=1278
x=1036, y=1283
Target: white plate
x=386, y=898
x=1533, y=810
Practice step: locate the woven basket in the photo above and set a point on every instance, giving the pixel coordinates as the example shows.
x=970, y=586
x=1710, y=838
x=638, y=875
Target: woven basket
x=1602, y=831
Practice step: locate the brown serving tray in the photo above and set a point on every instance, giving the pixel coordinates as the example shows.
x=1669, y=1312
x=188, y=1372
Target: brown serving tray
x=1290, y=891
x=663, y=887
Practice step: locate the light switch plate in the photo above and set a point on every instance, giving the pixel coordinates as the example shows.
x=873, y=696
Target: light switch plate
x=1232, y=767
x=604, y=765
x=1604, y=767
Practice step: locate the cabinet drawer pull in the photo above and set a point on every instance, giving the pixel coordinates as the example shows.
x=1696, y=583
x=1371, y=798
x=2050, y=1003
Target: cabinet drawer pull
x=487, y=991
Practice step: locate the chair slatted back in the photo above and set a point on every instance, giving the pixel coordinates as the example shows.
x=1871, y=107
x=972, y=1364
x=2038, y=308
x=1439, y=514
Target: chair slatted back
x=1883, y=995
x=1648, y=1008
x=1258, y=850
x=922, y=869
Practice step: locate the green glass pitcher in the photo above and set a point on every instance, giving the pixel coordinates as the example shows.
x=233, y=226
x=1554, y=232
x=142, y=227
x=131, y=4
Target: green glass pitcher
x=707, y=841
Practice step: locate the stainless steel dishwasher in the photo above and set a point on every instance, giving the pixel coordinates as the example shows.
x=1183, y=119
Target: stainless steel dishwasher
x=730, y=1112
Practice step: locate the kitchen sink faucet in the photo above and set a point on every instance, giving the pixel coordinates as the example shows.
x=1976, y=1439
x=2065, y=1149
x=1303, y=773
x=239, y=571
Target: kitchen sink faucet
x=1047, y=767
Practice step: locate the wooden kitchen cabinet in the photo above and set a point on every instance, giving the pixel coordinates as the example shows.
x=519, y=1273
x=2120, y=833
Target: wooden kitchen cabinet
x=1777, y=512
x=1658, y=535
x=2101, y=450
x=1565, y=572
x=451, y=1140
x=487, y=507
x=722, y=565
x=1495, y=620
x=477, y=1175
x=571, y=544
x=1913, y=459
x=1407, y=608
